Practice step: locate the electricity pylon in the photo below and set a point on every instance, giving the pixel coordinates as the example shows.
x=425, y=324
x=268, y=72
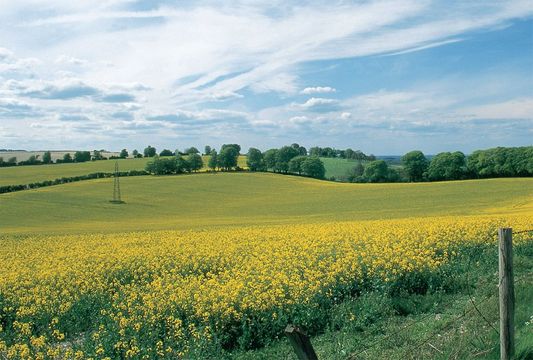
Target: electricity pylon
x=116, y=187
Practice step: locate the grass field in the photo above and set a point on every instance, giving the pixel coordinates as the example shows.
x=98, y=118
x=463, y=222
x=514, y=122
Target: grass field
x=35, y=173
x=338, y=167
x=205, y=200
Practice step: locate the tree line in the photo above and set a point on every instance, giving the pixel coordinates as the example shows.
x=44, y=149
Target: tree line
x=416, y=167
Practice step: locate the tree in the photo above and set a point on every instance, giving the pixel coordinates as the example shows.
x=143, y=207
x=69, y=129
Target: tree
x=415, y=164
x=447, y=166
x=228, y=157
x=161, y=166
x=284, y=155
x=254, y=160
x=135, y=153
x=47, y=157
x=195, y=162
x=270, y=159
x=124, y=154
x=182, y=165
x=149, y=151
x=207, y=150
x=213, y=160
x=97, y=155
x=236, y=146
x=295, y=164
x=67, y=158
x=313, y=167
x=166, y=152
x=376, y=171
x=82, y=156
x=192, y=150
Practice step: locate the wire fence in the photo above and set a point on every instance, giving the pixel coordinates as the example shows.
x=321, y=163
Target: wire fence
x=472, y=310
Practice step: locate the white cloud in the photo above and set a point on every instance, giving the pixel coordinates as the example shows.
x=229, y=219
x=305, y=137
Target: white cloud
x=521, y=108
x=318, y=90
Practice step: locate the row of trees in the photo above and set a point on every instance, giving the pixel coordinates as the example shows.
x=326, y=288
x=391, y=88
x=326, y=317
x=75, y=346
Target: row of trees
x=343, y=154
x=287, y=159
x=496, y=162
x=78, y=157
x=226, y=160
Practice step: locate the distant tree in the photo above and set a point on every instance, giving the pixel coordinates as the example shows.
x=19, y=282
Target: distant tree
x=270, y=159
x=161, y=166
x=213, y=160
x=227, y=159
x=315, y=151
x=192, y=150
x=283, y=156
x=182, y=165
x=376, y=171
x=135, y=153
x=415, y=164
x=355, y=173
x=295, y=164
x=67, y=158
x=149, y=151
x=447, y=166
x=254, y=160
x=314, y=167
x=2, y=162
x=97, y=155
x=349, y=153
x=236, y=146
x=207, y=150
x=124, y=154
x=166, y=152
x=195, y=162
x=82, y=156
x=47, y=157
x=12, y=161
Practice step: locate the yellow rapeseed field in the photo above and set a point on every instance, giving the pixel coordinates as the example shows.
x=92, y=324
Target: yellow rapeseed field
x=181, y=293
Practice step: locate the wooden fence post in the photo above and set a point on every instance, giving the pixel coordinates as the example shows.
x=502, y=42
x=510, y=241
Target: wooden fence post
x=301, y=343
x=506, y=289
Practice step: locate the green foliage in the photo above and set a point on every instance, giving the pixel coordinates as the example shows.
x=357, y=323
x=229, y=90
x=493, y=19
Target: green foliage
x=376, y=171
x=181, y=164
x=195, y=161
x=161, y=166
x=166, y=152
x=207, y=150
x=97, y=155
x=67, y=158
x=135, y=153
x=295, y=164
x=227, y=159
x=501, y=162
x=270, y=157
x=283, y=156
x=47, y=157
x=236, y=146
x=192, y=150
x=415, y=164
x=213, y=160
x=150, y=151
x=82, y=156
x=254, y=160
x=313, y=167
x=447, y=166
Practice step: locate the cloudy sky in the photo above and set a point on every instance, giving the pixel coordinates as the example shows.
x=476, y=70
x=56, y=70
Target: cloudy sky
x=383, y=76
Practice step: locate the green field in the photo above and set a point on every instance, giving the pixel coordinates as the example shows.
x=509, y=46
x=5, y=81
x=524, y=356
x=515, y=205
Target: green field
x=34, y=173
x=204, y=200
x=338, y=167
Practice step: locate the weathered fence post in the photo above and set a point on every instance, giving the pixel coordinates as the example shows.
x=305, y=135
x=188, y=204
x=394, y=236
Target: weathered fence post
x=301, y=343
x=506, y=289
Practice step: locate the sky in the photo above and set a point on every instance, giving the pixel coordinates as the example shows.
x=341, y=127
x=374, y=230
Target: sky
x=382, y=76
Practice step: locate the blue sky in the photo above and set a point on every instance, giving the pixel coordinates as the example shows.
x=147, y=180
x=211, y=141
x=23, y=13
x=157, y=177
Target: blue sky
x=382, y=76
